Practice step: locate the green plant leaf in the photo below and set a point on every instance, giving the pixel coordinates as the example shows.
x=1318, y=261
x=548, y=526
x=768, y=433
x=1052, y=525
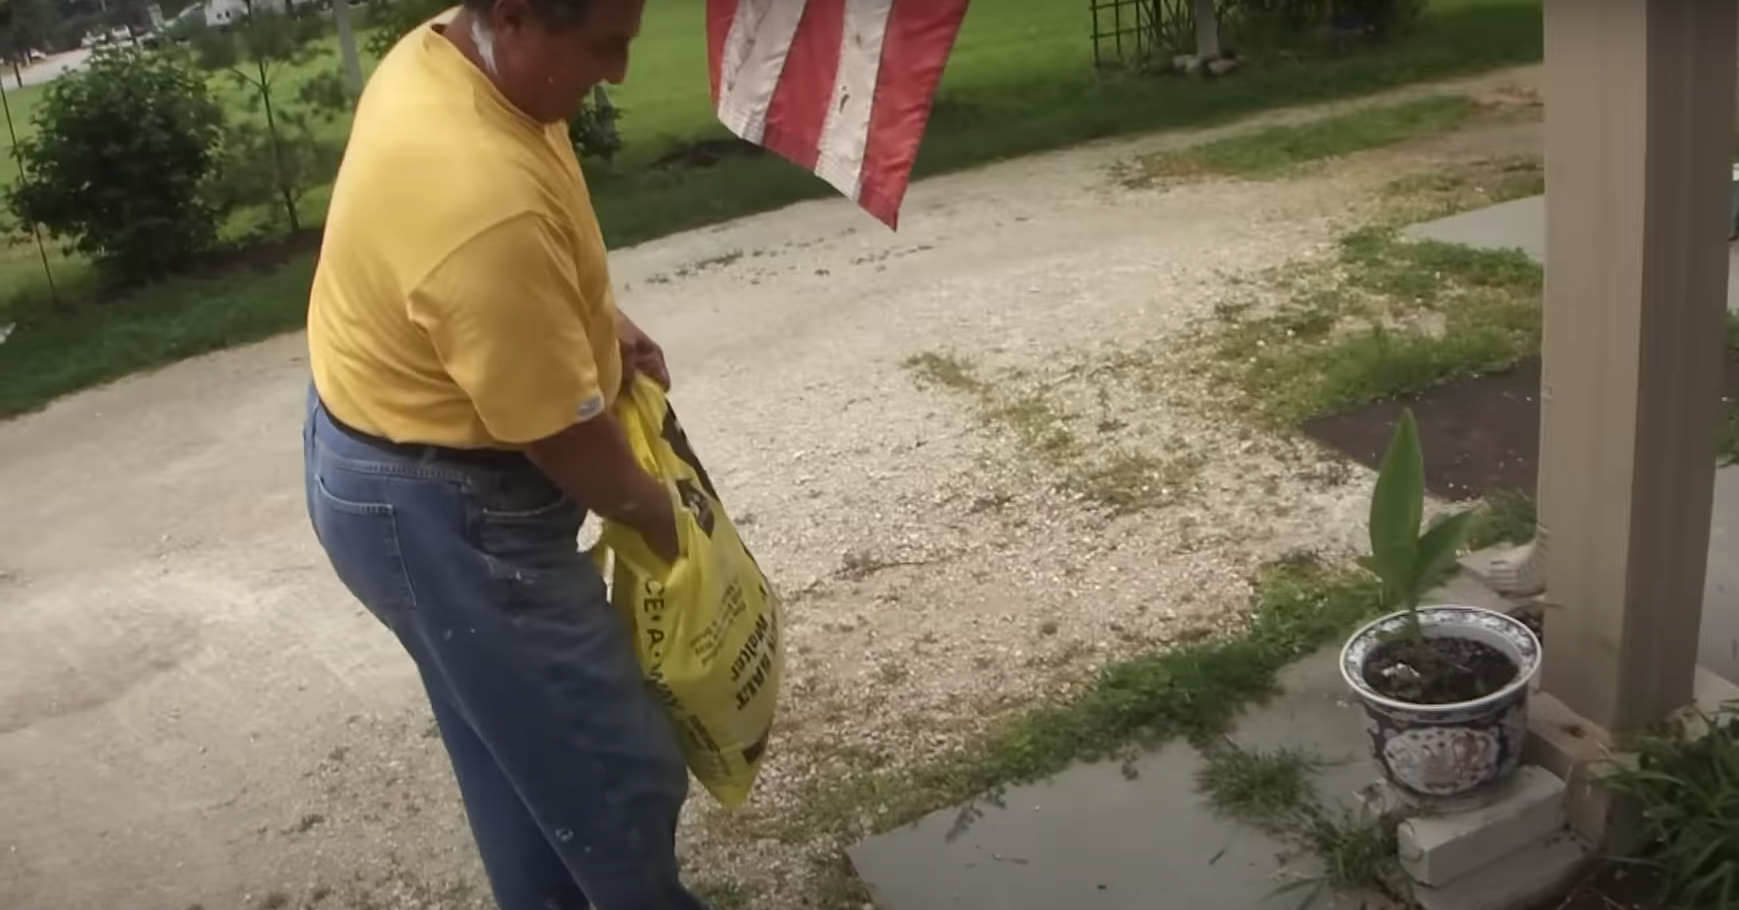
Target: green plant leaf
x=1438, y=549
x=1397, y=506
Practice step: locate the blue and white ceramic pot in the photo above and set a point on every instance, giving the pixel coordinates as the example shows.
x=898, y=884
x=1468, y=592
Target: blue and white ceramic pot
x=1437, y=753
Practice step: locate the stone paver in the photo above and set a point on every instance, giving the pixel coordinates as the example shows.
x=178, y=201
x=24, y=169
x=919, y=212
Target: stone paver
x=1106, y=836
x=1519, y=225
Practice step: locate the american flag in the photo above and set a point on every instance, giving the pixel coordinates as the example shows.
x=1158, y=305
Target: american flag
x=841, y=88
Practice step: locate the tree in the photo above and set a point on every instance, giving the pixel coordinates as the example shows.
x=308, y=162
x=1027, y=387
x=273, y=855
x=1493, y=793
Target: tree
x=121, y=161
x=257, y=50
x=25, y=27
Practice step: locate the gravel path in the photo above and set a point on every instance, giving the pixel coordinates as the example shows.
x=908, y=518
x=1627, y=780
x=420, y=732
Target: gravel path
x=966, y=452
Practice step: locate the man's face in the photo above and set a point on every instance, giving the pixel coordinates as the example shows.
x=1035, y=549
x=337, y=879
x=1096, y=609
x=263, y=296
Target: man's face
x=548, y=72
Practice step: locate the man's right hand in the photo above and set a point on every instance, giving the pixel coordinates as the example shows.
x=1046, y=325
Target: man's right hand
x=659, y=532
x=593, y=464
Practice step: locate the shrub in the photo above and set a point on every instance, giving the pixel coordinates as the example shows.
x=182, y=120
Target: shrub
x=394, y=19
x=593, y=131
x=120, y=159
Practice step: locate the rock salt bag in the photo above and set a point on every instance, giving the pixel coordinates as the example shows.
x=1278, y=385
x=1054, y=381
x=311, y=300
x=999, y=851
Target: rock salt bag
x=706, y=628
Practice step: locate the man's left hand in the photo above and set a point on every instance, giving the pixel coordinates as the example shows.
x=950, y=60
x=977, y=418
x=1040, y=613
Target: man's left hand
x=640, y=354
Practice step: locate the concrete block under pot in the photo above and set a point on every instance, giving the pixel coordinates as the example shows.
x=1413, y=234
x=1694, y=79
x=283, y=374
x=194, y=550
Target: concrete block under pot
x=1439, y=753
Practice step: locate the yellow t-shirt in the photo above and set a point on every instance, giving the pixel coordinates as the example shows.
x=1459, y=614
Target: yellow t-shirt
x=462, y=297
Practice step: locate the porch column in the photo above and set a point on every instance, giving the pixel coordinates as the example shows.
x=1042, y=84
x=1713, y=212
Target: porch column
x=1640, y=101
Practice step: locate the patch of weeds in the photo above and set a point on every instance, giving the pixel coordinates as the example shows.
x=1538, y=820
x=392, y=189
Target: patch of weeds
x=1039, y=424
x=1357, y=849
x=720, y=261
x=1506, y=517
x=1275, y=791
x=1276, y=150
x=1688, y=786
x=1264, y=789
x=723, y=895
x=838, y=887
x=1127, y=482
x=1117, y=479
x=1462, y=187
x=1194, y=690
x=1391, y=318
x=857, y=565
x=946, y=371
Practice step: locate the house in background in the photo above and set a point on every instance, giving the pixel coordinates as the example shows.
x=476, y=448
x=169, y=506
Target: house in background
x=220, y=13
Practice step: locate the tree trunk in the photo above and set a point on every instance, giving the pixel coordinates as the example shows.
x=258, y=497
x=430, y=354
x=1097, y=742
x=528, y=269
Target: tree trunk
x=284, y=188
x=1207, y=30
x=347, y=47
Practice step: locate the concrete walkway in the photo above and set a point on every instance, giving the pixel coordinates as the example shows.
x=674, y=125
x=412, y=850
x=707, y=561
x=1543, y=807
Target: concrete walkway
x=1111, y=836
x=1098, y=837
x=1520, y=225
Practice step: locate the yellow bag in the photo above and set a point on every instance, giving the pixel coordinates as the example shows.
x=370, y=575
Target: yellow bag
x=706, y=629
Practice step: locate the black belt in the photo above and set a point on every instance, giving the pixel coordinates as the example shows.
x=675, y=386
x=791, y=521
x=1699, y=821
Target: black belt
x=483, y=458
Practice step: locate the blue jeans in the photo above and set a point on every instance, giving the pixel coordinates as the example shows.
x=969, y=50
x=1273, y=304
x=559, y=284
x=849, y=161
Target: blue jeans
x=570, y=773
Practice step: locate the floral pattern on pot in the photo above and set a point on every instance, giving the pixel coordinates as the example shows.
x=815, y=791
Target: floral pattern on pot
x=1443, y=752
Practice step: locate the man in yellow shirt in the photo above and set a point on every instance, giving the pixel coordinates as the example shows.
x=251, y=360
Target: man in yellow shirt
x=466, y=349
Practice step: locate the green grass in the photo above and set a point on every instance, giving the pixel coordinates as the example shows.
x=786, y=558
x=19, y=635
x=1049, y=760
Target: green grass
x=1074, y=453
x=1392, y=318
x=1263, y=789
x=1194, y=690
x=1275, y=791
x=1020, y=82
x=1276, y=151
x=168, y=322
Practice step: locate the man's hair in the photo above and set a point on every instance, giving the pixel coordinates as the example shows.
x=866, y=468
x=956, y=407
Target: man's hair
x=552, y=13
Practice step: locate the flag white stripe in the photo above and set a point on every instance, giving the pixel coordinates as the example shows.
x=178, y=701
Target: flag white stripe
x=744, y=17
x=845, y=134
x=760, y=39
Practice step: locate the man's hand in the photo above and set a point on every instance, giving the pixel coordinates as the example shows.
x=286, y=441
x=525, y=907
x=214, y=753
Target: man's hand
x=640, y=354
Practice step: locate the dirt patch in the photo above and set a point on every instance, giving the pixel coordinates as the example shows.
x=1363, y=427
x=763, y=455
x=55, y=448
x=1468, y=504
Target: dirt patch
x=1615, y=885
x=264, y=256
x=1480, y=435
x=255, y=257
x=706, y=153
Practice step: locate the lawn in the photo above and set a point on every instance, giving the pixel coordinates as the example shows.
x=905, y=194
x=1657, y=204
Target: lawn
x=1020, y=81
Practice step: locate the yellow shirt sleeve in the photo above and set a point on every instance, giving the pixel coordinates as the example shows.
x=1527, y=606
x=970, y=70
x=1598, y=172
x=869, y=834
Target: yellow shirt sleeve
x=504, y=313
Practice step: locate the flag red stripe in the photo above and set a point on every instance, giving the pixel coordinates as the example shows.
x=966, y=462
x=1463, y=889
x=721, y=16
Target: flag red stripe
x=785, y=59
x=920, y=37
x=719, y=16
x=798, y=109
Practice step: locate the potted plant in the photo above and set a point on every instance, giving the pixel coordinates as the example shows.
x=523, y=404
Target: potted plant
x=1444, y=687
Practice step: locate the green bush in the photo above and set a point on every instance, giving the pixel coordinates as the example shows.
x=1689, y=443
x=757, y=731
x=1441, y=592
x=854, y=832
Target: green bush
x=122, y=155
x=1688, y=788
x=593, y=132
x=394, y=19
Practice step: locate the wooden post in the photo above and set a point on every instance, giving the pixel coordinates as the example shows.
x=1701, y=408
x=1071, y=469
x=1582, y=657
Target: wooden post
x=1640, y=99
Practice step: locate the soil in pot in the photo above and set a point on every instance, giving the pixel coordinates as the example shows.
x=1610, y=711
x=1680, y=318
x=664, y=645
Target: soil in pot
x=1438, y=671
